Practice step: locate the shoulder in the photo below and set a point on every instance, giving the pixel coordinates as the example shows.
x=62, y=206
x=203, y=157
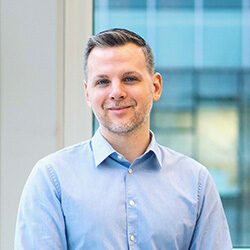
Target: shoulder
x=67, y=154
x=173, y=159
x=188, y=174
x=183, y=168
x=59, y=166
x=63, y=161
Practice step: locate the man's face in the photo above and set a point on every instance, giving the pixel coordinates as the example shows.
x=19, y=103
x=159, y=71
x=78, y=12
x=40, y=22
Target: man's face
x=120, y=89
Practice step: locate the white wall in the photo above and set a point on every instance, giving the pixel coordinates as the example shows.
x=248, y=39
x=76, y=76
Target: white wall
x=41, y=102
x=78, y=28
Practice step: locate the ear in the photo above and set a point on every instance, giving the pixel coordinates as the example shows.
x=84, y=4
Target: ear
x=86, y=92
x=157, y=82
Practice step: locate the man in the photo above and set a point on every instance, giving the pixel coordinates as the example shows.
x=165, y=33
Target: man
x=120, y=190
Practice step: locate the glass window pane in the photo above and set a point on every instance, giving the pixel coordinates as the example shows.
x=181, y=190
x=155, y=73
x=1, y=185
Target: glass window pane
x=222, y=4
x=222, y=38
x=177, y=140
x=127, y=4
x=217, y=136
x=174, y=119
x=174, y=27
x=175, y=4
x=177, y=89
x=227, y=82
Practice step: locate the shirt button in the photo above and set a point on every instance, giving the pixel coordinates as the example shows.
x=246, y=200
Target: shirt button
x=131, y=203
x=130, y=170
x=119, y=157
x=132, y=237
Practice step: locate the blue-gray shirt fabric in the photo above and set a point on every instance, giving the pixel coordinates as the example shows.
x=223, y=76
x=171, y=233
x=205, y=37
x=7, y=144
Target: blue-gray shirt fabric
x=83, y=197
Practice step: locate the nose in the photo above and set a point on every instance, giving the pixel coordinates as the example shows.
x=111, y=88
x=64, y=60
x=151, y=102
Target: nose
x=118, y=91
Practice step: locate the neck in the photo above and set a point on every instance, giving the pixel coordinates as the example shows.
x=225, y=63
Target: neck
x=131, y=145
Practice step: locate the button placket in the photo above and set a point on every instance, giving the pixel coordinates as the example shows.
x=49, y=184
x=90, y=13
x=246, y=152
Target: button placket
x=132, y=219
x=131, y=203
x=132, y=237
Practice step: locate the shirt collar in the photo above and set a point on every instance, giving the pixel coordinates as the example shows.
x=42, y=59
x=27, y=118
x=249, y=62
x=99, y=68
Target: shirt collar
x=154, y=147
x=102, y=149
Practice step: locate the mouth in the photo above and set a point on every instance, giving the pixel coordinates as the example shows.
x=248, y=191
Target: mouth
x=119, y=110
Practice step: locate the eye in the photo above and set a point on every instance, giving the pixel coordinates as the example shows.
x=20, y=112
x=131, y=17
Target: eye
x=102, y=82
x=130, y=79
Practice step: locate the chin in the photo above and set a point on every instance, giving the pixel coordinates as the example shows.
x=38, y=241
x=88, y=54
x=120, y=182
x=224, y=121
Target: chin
x=123, y=129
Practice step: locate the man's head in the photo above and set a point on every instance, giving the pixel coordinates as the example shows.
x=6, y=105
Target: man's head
x=121, y=85
x=118, y=37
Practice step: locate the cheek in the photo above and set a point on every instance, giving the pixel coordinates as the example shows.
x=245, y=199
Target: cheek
x=145, y=96
x=97, y=100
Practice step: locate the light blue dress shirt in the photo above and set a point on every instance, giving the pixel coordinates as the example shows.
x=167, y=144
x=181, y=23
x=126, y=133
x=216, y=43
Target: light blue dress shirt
x=88, y=196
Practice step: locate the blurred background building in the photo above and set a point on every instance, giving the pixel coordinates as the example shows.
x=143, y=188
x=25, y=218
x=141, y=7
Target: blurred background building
x=202, y=49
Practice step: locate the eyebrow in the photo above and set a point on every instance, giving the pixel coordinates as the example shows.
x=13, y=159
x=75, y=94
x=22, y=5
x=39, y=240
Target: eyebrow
x=101, y=76
x=131, y=73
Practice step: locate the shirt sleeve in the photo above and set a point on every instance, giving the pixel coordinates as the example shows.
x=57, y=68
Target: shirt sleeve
x=211, y=230
x=40, y=221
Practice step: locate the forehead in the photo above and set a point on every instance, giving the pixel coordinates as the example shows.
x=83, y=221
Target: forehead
x=128, y=55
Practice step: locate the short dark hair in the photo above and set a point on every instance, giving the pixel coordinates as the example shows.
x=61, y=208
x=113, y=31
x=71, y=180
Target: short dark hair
x=118, y=37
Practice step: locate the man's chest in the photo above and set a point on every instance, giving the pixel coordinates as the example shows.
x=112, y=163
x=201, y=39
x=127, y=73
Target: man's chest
x=122, y=210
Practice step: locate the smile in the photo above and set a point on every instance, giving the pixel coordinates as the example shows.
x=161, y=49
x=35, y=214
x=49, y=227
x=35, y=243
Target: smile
x=119, y=110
